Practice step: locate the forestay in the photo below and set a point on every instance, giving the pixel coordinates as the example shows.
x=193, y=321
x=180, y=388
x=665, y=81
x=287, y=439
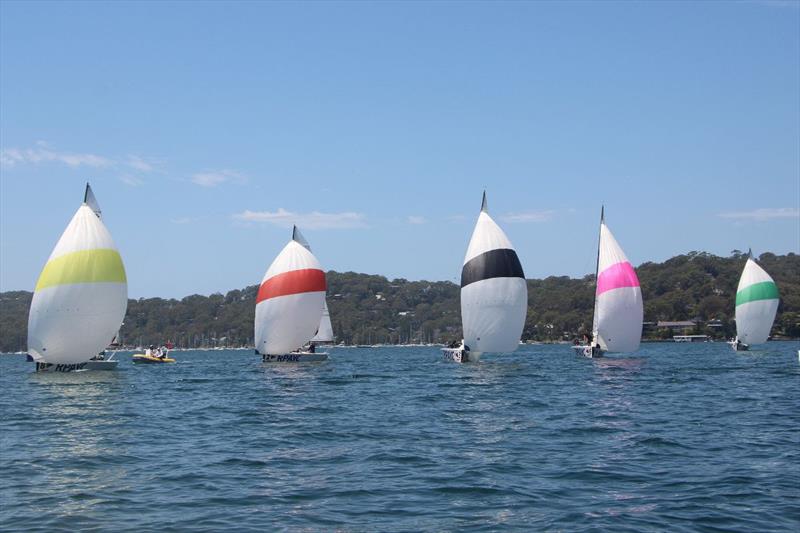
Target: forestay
x=290, y=300
x=756, y=304
x=82, y=293
x=619, y=310
x=494, y=295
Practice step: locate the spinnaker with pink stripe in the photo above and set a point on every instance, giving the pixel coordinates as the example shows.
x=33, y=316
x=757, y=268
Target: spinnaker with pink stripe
x=618, y=308
x=290, y=300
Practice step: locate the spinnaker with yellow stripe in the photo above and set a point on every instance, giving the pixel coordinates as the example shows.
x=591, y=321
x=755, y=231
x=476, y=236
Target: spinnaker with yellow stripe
x=82, y=292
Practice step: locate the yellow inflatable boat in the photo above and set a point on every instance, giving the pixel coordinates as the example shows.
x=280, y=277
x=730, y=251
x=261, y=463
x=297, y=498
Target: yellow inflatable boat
x=140, y=358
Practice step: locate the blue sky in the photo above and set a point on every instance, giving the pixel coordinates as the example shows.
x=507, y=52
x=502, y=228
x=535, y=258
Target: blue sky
x=207, y=129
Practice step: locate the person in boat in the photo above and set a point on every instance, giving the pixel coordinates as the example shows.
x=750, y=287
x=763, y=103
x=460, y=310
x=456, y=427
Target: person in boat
x=312, y=348
x=163, y=352
x=149, y=351
x=596, y=350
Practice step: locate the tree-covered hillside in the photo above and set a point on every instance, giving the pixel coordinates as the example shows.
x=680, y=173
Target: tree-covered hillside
x=372, y=309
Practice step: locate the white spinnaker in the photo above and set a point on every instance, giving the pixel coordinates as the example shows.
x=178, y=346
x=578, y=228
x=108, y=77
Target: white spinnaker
x=285, y=323
x=619, y=309
x=754, y=318
x=72, y=322
x=493, y=310
x=325, y=331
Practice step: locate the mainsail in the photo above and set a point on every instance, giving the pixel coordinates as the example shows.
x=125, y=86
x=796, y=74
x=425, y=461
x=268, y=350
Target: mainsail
x=756, y=304
x=618, y=310
x=82, y=293
x=290, y=299
x=325, y=331
x=494, y=294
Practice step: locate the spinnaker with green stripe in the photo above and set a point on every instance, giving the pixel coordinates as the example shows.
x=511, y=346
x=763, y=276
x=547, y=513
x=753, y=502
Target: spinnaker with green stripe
x=82, y=293
x=756, y=304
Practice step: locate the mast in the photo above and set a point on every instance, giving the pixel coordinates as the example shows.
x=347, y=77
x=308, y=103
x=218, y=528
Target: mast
x=90, y=200
x=596, y=274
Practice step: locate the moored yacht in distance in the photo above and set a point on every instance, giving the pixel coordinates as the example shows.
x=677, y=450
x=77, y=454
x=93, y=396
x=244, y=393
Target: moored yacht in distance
x=290, y=304
x=494, y=294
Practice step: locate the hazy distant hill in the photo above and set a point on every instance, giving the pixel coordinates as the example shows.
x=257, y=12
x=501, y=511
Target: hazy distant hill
x=371, y=309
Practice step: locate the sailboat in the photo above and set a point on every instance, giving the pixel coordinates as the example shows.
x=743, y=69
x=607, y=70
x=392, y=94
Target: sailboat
x=81, y=295
x=494, y=294
x=325, y=329
x=618, y=307
x=756, y=304
x=289, y=305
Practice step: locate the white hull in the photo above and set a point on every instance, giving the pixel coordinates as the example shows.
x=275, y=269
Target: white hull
x=60, y=367
x=459, y=355
x=74, y=367
x=296, y=357
x=739, y=347
x=586, y=351
x=101, y=365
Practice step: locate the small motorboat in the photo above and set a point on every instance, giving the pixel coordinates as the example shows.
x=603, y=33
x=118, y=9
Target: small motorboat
x=141, y=358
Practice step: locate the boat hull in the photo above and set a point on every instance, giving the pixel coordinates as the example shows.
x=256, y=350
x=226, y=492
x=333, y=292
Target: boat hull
x=101, y=365
x=60, y=367
x=587, y=351
x=140, y=359
x=739, y=347
x=459, y=355
x=295, y=358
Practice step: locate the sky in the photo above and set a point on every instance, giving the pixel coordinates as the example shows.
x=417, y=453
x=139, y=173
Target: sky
x=207, y=129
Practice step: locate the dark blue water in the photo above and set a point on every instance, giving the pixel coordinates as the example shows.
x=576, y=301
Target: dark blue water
x=685, y=437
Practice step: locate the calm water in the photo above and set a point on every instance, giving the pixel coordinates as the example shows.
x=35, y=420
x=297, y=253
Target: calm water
x=686, y=437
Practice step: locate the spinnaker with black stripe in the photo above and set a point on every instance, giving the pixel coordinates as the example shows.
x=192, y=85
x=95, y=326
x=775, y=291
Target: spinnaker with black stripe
x=82, y=293
x=494, y=294
x=290, y=300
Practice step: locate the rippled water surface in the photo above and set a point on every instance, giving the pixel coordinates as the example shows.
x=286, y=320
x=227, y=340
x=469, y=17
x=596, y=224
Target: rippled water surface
x=690, y=437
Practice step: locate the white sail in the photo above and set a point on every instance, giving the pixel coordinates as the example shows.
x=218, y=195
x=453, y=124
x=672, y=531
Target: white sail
x=619, y=309
x=494, y=294
x=325, y=331
x=756, y=304
x=290, y=300
x=81, y=295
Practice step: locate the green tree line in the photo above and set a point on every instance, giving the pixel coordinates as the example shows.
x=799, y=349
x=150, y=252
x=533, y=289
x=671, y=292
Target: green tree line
x=369, y=309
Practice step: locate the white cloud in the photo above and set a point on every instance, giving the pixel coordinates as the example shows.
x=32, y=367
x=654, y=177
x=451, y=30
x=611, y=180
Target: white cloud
x=528, y=216
x=216, y=177
x=184, y=220
x=762, y=214
x=131, y=181
x=415, y=219
x=10, y=157
x=313, y=220
x=139, y=163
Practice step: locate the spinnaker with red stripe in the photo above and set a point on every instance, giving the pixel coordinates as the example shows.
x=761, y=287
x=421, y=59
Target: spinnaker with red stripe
x=290, y=299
